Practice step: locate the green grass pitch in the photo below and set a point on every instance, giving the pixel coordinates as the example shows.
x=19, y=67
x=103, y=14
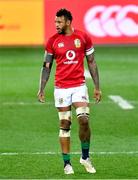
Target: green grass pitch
x=28, y=127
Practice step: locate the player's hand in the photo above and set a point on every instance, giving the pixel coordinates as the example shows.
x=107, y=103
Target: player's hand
x=41, y=97
x=97, y=95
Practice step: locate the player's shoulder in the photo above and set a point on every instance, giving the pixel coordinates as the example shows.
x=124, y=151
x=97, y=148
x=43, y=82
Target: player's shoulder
x=53, y=37
x=80, y=32
x=82, y=35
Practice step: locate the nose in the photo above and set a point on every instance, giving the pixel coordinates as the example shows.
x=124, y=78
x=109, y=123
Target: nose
x=56, y=24
x=57, y=27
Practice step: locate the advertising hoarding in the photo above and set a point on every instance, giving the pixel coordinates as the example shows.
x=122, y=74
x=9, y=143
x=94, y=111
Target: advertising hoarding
x=21, y=22
x=107, y=22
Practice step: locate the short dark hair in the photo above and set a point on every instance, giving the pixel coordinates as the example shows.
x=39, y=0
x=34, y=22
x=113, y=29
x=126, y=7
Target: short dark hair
x=64, y=12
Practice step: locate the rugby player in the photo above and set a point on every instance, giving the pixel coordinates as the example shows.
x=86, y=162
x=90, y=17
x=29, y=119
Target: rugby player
x=68, y=48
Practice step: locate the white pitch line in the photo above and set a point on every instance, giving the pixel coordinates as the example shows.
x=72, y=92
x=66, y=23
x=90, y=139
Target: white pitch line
x=58, y=153
x=16, y=103
x=25, y=103
x=124, y=104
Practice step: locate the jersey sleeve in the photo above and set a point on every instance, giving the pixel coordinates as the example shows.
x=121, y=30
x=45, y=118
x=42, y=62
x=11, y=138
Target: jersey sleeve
x=49, y=47
x=89, y=49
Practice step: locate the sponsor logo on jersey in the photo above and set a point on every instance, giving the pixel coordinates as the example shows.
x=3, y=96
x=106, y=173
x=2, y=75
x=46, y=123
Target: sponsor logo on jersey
x=61, y=44
x=70, y=55
x=77, y=43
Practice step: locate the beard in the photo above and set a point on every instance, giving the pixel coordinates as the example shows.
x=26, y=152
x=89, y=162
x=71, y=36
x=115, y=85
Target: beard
x=61, y=31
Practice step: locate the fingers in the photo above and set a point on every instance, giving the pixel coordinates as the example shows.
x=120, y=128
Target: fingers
x=41, y=97
x=97, y=95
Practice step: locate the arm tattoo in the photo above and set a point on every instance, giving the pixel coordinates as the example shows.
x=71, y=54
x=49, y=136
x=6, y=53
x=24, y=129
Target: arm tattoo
x=48, y=57
x=93, y=69
x=44, y=77
x=45, y=71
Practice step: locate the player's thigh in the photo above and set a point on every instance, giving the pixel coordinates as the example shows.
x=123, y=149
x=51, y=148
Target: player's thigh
x=62, y=98
x=80, y=97
x=80, y=104
x=64, y=109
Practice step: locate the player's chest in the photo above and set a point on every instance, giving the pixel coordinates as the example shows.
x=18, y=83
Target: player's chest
x=61, y=46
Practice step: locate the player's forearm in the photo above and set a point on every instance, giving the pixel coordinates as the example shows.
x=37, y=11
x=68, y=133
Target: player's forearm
x=94, y=74
x=45, y=73
x=93, y=69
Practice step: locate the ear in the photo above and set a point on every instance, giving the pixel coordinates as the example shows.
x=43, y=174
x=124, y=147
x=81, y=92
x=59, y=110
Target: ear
x=68, y=22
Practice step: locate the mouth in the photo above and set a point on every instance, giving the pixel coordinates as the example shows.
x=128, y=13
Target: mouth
x=58, y=29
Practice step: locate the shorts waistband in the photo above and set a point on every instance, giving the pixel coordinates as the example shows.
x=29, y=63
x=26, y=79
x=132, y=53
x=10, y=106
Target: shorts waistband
x=56, y=87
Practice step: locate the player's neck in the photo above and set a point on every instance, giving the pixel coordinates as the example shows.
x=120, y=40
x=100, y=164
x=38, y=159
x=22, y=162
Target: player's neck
x=69, y=31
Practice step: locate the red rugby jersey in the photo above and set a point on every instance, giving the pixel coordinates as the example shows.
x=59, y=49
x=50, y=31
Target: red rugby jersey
x=69, y=52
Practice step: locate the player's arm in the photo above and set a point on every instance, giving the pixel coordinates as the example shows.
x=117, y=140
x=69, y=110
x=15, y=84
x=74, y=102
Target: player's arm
x=44, y=75
x=93, y=69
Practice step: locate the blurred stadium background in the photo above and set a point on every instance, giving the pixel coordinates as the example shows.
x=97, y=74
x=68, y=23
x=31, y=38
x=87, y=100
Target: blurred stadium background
x=29, y=147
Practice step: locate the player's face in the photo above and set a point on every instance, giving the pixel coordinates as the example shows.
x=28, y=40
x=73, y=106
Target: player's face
x=61, y=24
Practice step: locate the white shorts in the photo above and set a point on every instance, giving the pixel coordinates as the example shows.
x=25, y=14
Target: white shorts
x=65, y=97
